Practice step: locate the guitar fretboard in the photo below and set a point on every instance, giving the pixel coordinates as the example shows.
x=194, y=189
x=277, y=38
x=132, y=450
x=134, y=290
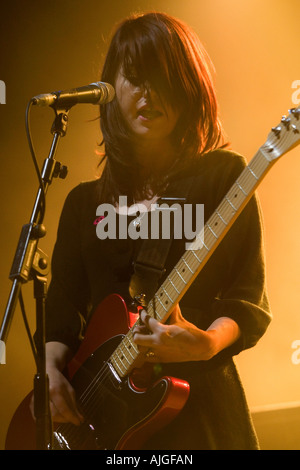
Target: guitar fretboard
x=199, y=252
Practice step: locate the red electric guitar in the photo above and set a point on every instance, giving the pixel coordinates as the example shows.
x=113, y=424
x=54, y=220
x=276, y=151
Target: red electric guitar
x=119, y=414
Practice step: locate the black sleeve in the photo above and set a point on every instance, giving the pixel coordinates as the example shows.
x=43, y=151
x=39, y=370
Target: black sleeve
x=68, y=293
x=244, y=296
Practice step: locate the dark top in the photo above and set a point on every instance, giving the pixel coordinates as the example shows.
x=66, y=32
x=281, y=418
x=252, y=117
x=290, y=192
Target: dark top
x=86, y=269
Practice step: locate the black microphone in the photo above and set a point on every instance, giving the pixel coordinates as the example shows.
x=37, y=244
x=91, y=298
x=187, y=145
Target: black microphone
x=95, y=93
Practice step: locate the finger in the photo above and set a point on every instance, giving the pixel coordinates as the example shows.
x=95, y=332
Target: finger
x=63, y=413
x=143, y=340
x=148, y=321
x=64, y=408
x=145, y=317
x=142, y=329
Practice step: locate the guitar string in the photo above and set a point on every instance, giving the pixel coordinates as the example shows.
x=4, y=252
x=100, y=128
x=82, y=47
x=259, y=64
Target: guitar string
x=67, y=429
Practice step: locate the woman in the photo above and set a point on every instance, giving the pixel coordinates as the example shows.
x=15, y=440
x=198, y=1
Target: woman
x=161, y=130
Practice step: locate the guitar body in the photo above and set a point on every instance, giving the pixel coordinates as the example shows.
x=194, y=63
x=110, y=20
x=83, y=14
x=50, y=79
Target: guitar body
x=120, y=413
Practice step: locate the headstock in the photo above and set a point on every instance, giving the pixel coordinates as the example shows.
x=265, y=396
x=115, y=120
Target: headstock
x=284, y=136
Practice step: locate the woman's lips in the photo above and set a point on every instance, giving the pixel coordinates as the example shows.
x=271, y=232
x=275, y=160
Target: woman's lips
x=148, y=114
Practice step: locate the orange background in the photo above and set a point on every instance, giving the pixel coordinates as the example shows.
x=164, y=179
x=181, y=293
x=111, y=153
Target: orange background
x=255, y=46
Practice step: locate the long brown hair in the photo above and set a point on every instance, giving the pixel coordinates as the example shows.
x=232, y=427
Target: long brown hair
x=167, y=54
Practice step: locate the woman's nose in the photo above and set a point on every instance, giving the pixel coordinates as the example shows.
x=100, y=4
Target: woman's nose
x=148, y=90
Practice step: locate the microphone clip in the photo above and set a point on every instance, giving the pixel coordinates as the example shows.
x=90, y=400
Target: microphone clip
x=60, y=122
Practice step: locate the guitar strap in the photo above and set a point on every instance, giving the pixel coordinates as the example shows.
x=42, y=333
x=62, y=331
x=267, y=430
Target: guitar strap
x=149, y=265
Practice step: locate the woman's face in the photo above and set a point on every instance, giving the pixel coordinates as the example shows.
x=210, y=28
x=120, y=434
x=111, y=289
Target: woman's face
x=146, y=115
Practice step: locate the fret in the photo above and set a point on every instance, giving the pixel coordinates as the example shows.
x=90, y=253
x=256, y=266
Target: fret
x=209, y=238
x=165, y=291
x=224, y=211
x=125, y=351
x=190, y=263
x=246, y=181
x=202, y=241
x=255, y=169
x=118, y=359
x=173, y=285
x=156, y=296
x=228, y=200
x=241, y=188
x=216, y=236
x=187, y=265
x=129, y=351
x=197, y=245
x=195, y=259
x=219, y=215
x=180, y=276
x=235, y=194
x=154, y=312
x=252, y=172
x=117, y=366
x=128, y=346
x=123, y=354
x=194, y=254
x=131, y=344
x=159, y=312
x=216, y=227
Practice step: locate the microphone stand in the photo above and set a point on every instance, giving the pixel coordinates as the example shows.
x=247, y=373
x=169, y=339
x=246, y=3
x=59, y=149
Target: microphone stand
x=30, y=263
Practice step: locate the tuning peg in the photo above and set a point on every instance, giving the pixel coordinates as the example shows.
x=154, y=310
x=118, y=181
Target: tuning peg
x=286, y=122
x=276, y=131
x=295, y=112
x=295, y=129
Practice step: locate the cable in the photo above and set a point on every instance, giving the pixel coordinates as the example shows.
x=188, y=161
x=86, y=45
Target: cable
x=32, y=151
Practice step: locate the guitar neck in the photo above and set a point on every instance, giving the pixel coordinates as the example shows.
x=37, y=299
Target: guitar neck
x=194, y=259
